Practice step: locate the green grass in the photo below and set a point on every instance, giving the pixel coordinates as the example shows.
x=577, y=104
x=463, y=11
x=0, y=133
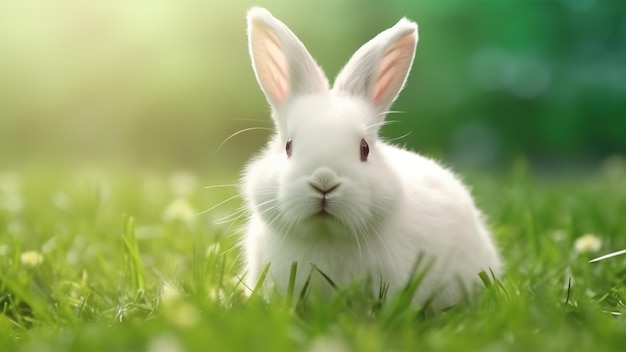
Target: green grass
x=122, y=272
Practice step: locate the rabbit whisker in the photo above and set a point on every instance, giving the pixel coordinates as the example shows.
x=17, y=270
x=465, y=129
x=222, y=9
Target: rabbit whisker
x=401, y=137
x=231, y=217
x=222, y=186
x=240, y=132
x=392, y=112
x=220, y=203
x=381, y=124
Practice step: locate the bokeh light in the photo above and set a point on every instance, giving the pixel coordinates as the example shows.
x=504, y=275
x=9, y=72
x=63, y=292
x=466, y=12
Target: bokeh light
x=166, y=82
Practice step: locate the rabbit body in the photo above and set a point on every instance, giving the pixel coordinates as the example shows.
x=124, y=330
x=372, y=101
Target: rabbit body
x=328, y=192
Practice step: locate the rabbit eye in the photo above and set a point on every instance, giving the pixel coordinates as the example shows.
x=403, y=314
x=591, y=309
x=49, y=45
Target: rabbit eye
x=288, y=147
x=365, y=150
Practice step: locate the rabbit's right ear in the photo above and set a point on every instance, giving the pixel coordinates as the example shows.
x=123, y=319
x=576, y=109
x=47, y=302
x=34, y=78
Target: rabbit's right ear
x=282, y=65
x=378, y=70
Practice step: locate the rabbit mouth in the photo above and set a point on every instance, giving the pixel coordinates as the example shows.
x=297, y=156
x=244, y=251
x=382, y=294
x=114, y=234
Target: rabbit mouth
x=323, y=214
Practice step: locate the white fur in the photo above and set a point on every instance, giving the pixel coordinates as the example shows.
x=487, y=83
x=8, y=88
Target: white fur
x=385, y=212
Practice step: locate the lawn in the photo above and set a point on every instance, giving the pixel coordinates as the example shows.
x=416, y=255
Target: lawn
x=120, y=260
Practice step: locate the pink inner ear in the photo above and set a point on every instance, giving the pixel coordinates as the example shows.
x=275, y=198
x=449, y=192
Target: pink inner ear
x=384, y=79
x=278, y=68
x=393, y=69
x=271, y=65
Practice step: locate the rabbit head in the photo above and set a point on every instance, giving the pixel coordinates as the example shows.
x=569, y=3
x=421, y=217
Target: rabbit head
x=322, y=172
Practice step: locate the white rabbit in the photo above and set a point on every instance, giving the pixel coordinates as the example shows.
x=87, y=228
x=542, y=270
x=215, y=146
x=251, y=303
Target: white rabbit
x=327, y=191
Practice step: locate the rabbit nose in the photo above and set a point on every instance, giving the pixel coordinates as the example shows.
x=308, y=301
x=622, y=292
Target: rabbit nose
x=324, y=190
x=324, y=180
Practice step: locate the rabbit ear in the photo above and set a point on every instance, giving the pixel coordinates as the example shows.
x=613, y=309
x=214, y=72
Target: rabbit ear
x=378, y=70
x=283, y=66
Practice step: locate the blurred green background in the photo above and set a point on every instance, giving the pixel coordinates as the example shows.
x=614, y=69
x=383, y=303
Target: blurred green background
x=166, y=82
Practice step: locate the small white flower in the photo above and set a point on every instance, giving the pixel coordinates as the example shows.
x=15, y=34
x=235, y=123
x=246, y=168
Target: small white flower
x=183, y=183
x=179, y=210
x=31, y=258
x=588, y=243
x=164, y=343
x=169, y=293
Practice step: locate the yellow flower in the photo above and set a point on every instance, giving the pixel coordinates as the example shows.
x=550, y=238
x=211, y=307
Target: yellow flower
x=179, y=210
x=588, y=243
x=31, y=258
x=182, y=314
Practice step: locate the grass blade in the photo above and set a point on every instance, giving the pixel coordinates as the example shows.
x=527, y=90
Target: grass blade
x=134, y=265
x=292, y=283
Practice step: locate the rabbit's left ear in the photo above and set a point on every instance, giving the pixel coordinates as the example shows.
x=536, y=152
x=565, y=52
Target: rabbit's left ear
x=378, y=70
x=283, y=66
